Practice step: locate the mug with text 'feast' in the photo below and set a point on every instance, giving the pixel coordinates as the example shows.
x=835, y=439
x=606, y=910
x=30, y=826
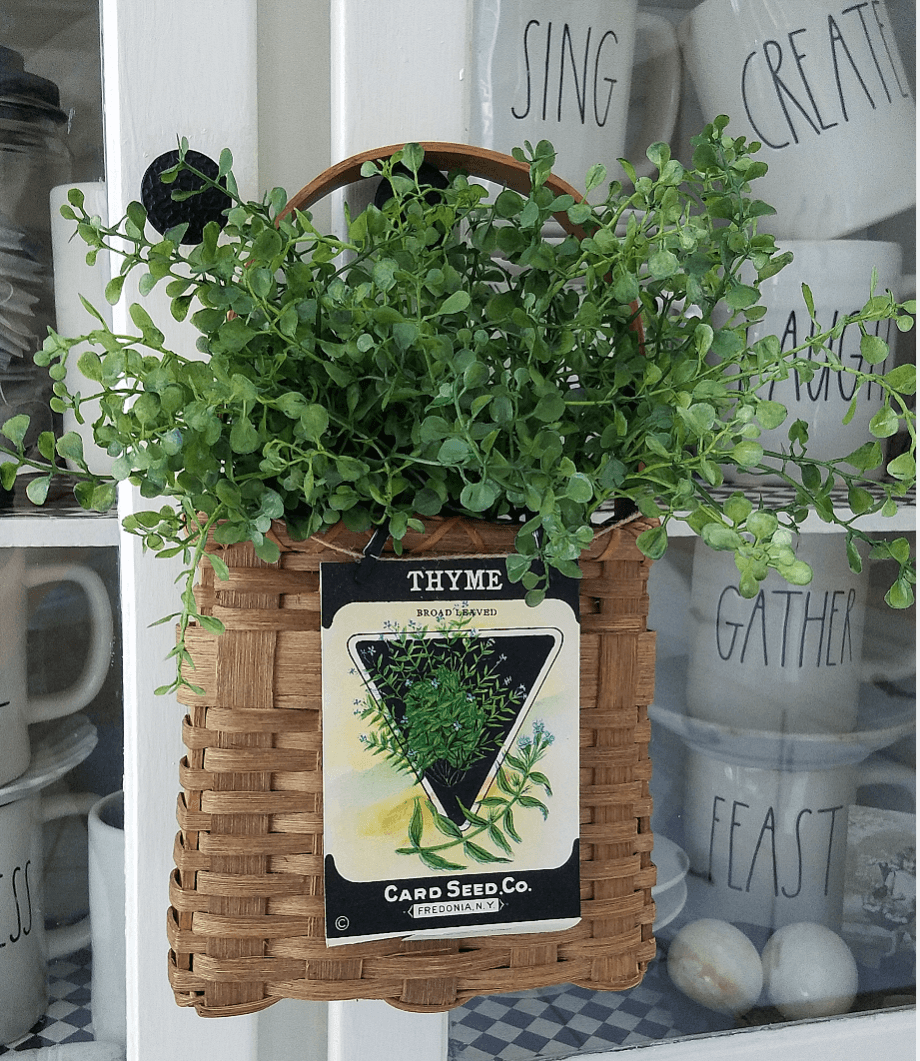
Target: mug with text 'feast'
x=768, y=846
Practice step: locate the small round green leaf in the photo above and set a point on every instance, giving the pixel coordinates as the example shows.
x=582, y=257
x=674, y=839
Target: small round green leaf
x=885, y=423
x=873, y=349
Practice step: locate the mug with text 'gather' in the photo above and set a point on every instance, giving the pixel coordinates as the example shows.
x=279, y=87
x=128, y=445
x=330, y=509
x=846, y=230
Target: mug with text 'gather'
x=839, y=274
x=26, y=946
x=788, y=660
x=768, y=846
x=821, y=85
x=17, y=709
x=562, y=72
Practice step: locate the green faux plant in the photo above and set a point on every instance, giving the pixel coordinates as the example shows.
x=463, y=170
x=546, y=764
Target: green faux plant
x=443, y=357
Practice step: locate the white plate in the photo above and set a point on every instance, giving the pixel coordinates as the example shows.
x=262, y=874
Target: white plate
x=669, y=905
x=61, y=746
x=670, y=892
x=882, y=720
x=672, y=863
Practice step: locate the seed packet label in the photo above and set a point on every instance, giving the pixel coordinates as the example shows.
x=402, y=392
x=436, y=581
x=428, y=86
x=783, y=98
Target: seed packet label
x=450, y=751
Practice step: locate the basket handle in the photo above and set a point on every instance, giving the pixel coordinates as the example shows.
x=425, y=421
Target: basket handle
x=478, y=161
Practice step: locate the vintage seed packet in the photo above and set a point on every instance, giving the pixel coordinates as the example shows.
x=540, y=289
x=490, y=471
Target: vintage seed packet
x=450, y=751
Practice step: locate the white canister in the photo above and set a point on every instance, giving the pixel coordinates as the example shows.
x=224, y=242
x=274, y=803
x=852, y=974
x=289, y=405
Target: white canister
x=25, y=946
x=74, y=280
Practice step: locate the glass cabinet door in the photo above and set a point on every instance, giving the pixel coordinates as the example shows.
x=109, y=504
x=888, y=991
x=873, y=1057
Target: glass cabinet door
x=718, y=832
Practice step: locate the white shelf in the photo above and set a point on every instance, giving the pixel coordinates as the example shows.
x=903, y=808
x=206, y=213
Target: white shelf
x=903, y=521
x=40, y=531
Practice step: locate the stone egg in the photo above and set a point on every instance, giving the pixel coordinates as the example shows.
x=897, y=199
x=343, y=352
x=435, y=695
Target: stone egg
x=809, y=971
x=715, y=964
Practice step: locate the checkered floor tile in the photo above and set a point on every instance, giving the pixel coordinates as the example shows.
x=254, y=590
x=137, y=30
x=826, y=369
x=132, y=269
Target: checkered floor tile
x=565, y=1020
x=68, y=1018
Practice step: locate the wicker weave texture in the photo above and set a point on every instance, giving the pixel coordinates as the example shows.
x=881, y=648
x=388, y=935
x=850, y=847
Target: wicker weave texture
x=246, y=924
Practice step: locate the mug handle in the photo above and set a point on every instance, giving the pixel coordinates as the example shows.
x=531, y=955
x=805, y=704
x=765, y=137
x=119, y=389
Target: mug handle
x=876, y=771
x=68, y=938
x=56, y=705
x=661, y=106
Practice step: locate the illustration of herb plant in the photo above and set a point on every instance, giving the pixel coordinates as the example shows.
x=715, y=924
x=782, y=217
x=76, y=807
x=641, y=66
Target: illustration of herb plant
x=440, y=702
x=495, y=822
x=439, y=705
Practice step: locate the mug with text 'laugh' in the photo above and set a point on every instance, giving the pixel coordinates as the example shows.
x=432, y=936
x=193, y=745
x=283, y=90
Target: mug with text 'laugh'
x=542, y=70
x=839, y=274
x=821, y=85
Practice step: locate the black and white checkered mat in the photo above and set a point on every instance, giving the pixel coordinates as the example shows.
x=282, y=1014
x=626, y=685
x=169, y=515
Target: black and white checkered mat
x=561, y=1021
x=68, y=1018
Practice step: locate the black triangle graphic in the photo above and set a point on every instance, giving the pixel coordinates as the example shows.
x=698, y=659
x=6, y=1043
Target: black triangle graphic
x=514, y=659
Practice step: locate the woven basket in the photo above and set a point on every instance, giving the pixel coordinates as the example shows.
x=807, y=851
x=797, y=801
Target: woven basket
x=246, y=921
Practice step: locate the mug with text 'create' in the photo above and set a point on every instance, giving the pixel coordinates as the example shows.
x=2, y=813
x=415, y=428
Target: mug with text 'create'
x=821, y=86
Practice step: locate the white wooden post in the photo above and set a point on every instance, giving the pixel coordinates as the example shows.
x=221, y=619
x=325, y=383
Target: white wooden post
x=171, y=68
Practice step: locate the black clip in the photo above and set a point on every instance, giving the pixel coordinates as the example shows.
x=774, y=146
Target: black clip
x=365, y=568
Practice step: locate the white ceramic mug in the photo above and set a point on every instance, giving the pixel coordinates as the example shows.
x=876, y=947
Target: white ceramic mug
x=17, y=709
x=839, y=274
x=107, y=915
x=25, y=945
x=788, y=660
x=767, y=846
x=544, y=70
x=820, y=84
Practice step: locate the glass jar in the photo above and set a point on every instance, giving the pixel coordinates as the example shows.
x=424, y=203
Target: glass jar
x=34, y=158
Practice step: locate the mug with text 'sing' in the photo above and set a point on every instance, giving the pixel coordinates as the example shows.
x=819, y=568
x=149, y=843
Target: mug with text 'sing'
x=17, y=709
x=821, y=85
x=542, y=70
x=839, y=274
